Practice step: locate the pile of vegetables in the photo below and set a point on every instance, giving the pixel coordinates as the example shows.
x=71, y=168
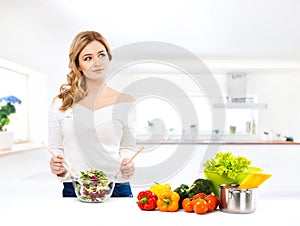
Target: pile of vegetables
x=200, y=203
x=200, y=185
x=202, y=196
x=197, y=198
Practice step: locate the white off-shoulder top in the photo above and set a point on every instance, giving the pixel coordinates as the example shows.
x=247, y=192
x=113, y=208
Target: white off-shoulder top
x=89, y=139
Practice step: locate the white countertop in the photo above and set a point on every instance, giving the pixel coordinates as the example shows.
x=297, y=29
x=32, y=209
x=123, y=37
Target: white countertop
x=31, y=195
x=124, y=211
x=37, y=201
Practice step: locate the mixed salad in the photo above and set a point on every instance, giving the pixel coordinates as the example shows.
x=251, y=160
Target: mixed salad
x=93, y=186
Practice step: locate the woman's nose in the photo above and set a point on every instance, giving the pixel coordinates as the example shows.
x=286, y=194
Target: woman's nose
x=97, y=61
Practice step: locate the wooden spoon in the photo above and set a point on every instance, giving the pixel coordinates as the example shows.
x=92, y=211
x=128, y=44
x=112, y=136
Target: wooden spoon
x=130, y=160
x=63, y=164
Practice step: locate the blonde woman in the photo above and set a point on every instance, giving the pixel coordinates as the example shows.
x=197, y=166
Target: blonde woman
x=90, y=124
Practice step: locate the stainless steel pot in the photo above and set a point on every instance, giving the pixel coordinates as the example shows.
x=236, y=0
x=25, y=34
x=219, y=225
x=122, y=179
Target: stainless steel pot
x=234, y=200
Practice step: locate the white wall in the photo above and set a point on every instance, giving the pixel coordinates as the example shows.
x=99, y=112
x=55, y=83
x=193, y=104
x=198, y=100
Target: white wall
x=281, y=92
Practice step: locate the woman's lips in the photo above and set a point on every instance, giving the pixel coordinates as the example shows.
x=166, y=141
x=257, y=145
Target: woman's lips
x=98, y=70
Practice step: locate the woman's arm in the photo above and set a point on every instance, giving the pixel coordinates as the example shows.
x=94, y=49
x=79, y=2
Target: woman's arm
x=55, y=137
x=128, y=146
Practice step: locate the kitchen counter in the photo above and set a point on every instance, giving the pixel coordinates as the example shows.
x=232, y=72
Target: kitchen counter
x=32, y=146
x=190, y=142
x=124, y=211
x=205, y=139
x=31, y=195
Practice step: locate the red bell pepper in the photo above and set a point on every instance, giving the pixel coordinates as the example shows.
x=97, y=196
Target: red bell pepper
x=147, y=200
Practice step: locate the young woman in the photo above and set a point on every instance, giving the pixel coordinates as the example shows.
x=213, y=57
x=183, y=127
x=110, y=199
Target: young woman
x=90, y=123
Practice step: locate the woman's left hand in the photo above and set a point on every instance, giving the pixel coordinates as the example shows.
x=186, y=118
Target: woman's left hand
x=127, y=169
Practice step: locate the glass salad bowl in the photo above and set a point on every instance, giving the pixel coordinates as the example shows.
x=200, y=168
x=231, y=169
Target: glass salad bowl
x=93, y=187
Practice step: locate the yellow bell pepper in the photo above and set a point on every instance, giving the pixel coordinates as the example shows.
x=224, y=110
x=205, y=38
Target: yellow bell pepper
x=168, y=201
x=159, y=188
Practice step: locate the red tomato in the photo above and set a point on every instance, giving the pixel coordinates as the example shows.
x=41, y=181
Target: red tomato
x=187, y=205
x=212, y=202
x=200, y=206
x=199, y=195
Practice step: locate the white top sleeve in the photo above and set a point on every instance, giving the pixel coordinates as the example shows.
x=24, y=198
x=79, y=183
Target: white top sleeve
x=128, y=140
x=55, y=118
x=55, y=136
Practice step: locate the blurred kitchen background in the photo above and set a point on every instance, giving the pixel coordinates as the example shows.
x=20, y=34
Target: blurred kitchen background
x=250, y=47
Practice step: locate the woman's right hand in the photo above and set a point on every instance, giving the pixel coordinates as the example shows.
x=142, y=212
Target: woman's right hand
x=56, y=165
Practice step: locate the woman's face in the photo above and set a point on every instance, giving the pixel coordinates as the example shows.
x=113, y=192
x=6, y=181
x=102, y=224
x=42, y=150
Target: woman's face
x=94, y=61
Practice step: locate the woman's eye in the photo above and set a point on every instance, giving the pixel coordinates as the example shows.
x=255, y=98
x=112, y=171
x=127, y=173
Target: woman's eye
x=101, y=55
x=87, y=58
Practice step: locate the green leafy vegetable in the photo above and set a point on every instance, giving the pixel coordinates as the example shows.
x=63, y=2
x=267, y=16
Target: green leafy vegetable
x=182, y=191
x=226, y=164
x=200, y=186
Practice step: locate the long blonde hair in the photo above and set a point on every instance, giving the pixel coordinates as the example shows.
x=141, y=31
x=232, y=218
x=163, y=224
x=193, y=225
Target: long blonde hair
x=75, y=88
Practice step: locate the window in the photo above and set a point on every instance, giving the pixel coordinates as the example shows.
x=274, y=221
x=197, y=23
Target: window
x=30, y=120
x=15, y=84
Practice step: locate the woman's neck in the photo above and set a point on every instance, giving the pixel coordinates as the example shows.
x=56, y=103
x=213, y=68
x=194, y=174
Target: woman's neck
x=95, y=87
x=99, y=95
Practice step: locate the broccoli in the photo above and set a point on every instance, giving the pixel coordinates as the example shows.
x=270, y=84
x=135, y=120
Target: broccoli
x=201, y=186
x=182, y=190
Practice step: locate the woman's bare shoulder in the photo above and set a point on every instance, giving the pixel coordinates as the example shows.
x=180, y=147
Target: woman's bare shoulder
x=124, y=97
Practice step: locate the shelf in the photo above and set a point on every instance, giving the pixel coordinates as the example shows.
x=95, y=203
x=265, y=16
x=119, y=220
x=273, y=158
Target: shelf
x=241, y=105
